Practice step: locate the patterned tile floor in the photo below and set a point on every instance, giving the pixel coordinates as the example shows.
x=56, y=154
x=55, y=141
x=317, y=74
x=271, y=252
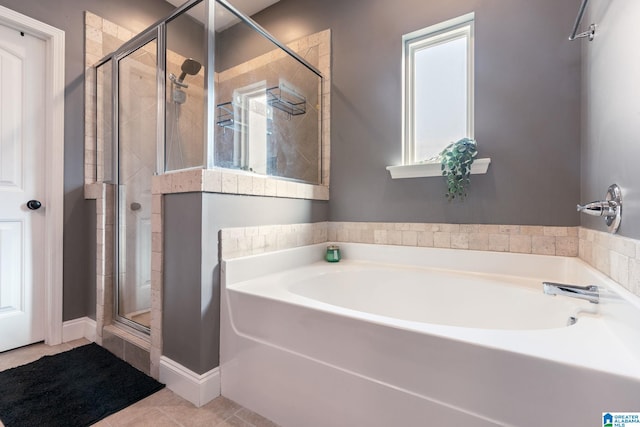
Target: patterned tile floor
x=162, y=409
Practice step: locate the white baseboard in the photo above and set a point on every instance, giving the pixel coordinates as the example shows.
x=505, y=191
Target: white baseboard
x=75, y=329
x=197, y=389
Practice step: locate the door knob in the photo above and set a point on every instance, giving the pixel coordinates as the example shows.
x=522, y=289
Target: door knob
x=34, y=204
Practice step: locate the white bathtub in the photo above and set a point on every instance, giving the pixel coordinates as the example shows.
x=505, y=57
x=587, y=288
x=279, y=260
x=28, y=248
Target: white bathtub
x=398, y=336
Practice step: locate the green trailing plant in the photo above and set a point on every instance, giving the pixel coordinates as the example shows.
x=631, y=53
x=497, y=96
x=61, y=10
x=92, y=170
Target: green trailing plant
x=456, y=161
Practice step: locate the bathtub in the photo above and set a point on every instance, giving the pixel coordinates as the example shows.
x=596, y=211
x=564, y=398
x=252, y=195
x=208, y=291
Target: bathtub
x=405, y=336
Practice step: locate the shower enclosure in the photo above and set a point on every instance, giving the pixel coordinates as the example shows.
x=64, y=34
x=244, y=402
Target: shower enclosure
x=204, y=88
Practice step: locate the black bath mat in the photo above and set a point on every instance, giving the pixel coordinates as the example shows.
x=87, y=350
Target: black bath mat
x=75, y=388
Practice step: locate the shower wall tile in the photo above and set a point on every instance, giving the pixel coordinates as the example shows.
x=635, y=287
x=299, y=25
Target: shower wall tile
x=186, y=181
x=162, y=184
x=229, y=183
x=258, y=186
x=212, y=181
x=110, y=28
x=270, y=187
x=156, y=204
x=92, y=191
x=245, y=184
x=93, y=21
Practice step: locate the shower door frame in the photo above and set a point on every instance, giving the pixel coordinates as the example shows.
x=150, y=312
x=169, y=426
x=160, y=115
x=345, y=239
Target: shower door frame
x=156, y=31
x=158, y=34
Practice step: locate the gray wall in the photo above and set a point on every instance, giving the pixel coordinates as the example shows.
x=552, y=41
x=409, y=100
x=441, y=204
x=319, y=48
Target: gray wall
x=192, y=221
x=610, y=123
x=527, y=108
x=527, y=121
x=79, y=214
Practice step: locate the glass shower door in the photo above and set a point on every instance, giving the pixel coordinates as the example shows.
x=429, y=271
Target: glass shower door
x=137, y=147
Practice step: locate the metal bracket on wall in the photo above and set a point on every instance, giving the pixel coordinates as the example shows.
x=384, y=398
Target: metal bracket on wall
x=590, y=33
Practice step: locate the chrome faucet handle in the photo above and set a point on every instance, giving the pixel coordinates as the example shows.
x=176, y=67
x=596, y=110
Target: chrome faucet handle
x=610, y=208
x=606, y=208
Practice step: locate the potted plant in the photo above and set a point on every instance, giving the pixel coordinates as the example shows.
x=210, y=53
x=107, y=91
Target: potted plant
x=456, y=161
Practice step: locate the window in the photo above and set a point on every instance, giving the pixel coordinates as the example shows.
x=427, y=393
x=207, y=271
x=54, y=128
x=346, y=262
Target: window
x=438, y=87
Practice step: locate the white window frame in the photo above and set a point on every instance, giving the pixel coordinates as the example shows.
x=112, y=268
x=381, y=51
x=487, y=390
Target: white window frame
x=462, y=26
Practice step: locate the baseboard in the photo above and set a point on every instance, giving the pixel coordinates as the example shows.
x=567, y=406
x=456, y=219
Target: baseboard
x=197, y=389
x=75, y=329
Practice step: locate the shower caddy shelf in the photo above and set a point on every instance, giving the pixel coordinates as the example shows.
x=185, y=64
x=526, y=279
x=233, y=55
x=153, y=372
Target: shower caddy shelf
x=224, y=116
x=287, y=100
x=279, y=97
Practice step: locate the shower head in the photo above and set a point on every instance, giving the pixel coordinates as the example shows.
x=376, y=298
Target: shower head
x=189, y=66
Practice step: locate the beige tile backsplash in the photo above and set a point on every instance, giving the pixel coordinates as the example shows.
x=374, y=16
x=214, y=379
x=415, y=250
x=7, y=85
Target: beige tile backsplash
x=617, y=257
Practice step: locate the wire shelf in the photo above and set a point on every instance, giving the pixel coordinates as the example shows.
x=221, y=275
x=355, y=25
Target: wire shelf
x=287, y=100
x=224, y=115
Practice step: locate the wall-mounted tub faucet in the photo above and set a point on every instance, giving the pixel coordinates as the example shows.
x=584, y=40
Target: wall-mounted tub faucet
x=589, y=293
x=610, y=208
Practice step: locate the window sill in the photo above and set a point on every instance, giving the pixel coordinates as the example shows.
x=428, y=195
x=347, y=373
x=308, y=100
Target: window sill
x=421, y=170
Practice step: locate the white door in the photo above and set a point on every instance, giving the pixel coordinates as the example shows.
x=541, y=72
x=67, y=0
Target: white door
x=22, y=169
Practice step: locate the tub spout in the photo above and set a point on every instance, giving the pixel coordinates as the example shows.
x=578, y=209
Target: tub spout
x=589, y=293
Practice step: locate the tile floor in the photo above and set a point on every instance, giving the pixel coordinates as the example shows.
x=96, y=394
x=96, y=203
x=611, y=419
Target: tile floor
x=162, y=409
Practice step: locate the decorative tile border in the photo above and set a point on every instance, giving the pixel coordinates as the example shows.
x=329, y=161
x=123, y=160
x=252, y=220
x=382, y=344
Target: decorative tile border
x=562, y=241
x=244, y=241
x=229, y=181
x=540, y=240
